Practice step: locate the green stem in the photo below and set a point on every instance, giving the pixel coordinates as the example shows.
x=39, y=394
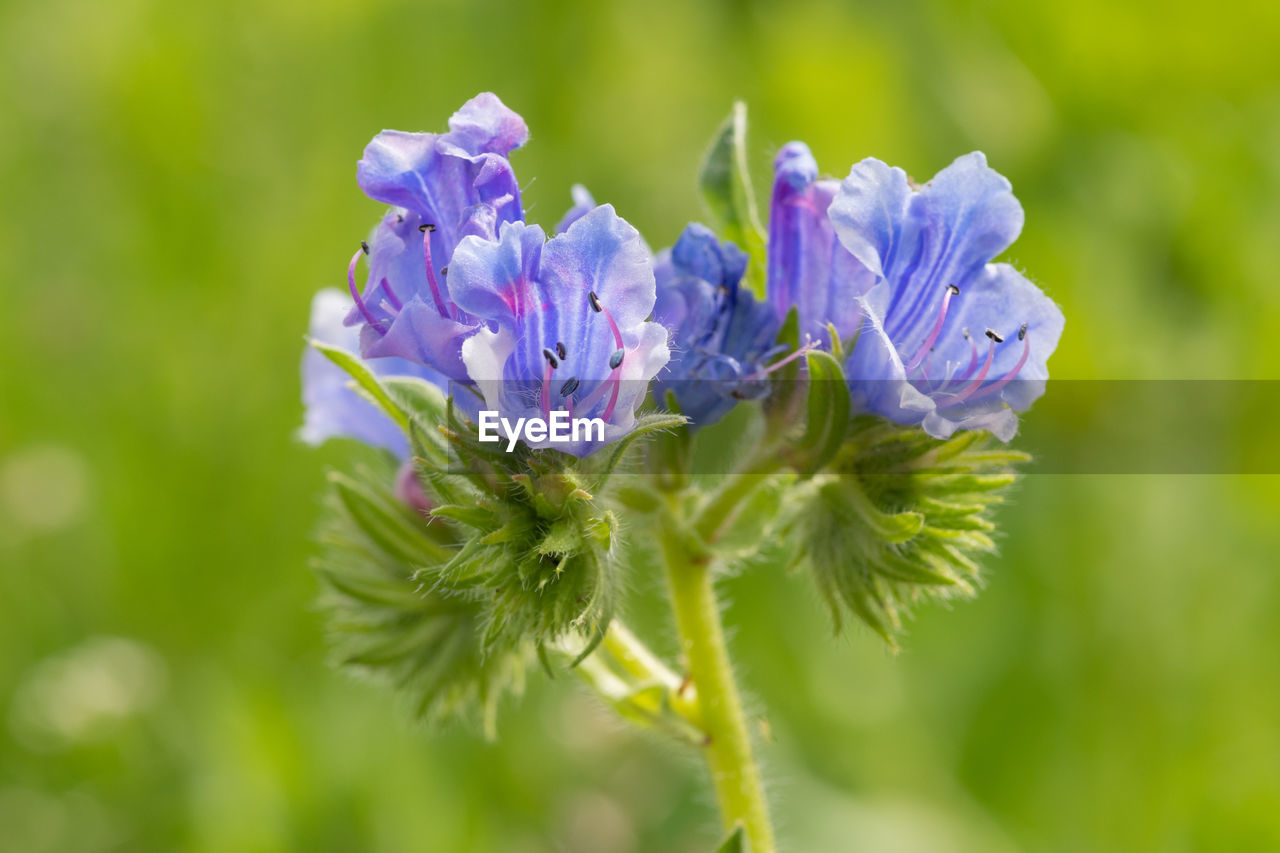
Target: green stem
x=638, y=685
x=738, y=785
x=733, y=491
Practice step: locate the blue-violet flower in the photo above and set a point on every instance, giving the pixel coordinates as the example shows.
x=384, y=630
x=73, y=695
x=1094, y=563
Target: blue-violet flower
x=444, y=187
x=950, y=340
x=721, y=336
x=564, y=322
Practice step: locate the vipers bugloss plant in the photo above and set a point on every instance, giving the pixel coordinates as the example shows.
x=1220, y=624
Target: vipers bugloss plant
x=876, y=348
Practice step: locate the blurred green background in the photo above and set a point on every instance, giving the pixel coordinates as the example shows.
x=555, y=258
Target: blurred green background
x=177, y=181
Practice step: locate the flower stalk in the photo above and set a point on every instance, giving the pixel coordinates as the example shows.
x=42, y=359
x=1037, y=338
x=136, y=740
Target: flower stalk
x=736, y=778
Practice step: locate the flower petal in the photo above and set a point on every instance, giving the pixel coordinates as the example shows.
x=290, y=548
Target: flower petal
x=494, y=279
x=807, y=266
x=868, y=210
x=875, y=372
x=485, y=125
x=1002, y=299
x=958, y=222
x=419, y=334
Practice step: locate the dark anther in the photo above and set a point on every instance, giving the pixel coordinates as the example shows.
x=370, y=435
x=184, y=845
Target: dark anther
x=551, y=358
x=994, y=337
x=594, y=300
x=399, y=218
x=364, y=247
x=570, y=385
x=616, y=358
x=955, y=291
x=1022, y=331
x=561, y=351
x=444, y=270
x=965, y=331
x=426, y=226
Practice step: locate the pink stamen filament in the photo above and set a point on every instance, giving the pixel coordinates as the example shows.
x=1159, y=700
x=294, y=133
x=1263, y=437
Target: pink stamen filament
x=937, y=327
x=994, y=387
x=963, y=394
x=355, y=293
x=611, y=383
x=968, y=371
x=615, y=386
x=431, y=274
x=765, y=371
x=392, y=299
x=546, y=390
x=617, y=334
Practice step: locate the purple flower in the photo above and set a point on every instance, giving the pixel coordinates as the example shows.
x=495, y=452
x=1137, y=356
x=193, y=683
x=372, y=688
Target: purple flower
x=720, y=334
x=807, y=267
x=563, y=322
x=332, y=408
x=444, y=187
x=950, y=340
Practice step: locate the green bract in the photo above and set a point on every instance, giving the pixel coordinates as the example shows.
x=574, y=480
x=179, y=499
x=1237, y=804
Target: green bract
x=898, y=517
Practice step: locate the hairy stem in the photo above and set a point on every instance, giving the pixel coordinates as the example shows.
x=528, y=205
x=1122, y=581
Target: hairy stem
x=738, y=785
x=632, y=680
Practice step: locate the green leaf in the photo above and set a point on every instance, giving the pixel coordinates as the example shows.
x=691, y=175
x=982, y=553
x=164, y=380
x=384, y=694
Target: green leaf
x=828, y=413
x=387, y=524
x=472, y=516
x=726, y=186
x=563, y=537
x=735, y=843
x=417, y=396
x=645, y=425
x=365, y=381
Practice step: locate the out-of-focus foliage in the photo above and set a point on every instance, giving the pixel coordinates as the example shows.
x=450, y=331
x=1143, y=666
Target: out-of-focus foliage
x=179, y=178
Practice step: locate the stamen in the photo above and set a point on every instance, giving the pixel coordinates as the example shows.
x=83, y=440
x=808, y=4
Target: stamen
x=425, y=227
x=431, y=276
x=546, y=389
x=995, y=387
x=570, y=385
x=392, y=299
x=550, y=357
x=995, y=336
x=561, y=351
x=952, y=290
x=808, y=345
x=612, y=383
x=613, y=395
x=973, y=362
x=355, y=292
x=364, y=247
x=600, y=309
x=963, y=394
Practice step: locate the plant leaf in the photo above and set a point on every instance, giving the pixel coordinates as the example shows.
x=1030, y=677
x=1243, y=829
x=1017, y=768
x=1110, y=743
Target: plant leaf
x=726, y=186
x=828, y=413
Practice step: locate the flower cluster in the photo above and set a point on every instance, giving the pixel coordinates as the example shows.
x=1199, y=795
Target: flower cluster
x=460, y=289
